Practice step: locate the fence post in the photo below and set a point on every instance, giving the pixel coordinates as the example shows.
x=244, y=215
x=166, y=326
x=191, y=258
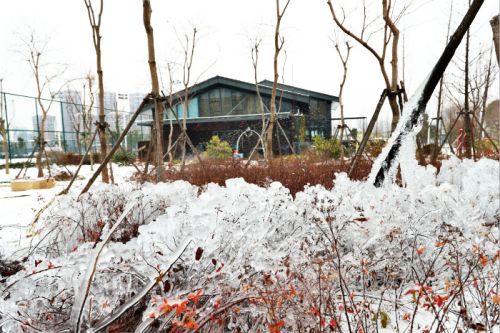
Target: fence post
x=63, y=129
x=7, y=126
x=37, y=125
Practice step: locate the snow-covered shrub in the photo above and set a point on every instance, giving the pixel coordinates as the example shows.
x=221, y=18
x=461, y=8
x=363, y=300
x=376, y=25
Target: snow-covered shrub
x=241, y=257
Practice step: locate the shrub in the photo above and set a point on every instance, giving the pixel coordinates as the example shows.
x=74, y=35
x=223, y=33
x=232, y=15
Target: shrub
x=484, y=147
x=293, y=172
x=219, y=149
x=70, y=158
x=18, y=165
x=327, y=147
x=123, y=157
x=374, y=147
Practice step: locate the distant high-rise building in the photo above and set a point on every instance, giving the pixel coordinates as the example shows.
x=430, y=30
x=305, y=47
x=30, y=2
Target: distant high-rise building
x=50, y=127
x=109, y=103
x=135, y=100
x=72, y=121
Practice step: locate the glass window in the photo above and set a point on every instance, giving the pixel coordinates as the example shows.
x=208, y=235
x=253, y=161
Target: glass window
x=238, y=102
x=215, y=104
x=252, y=106
x=227, y=104
x=203, y=105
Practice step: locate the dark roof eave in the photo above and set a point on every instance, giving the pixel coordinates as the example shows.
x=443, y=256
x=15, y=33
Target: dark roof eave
x=299, y=95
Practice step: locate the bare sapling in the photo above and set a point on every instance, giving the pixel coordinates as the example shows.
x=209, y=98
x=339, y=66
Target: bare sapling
x=344, y=58
x=34, y=52
x=155, y=89
x=390, y=44
x=186, y=78
x=87, y=115
x=170, y=111
x=279, y=41
x=255, y=63
x=95, y=19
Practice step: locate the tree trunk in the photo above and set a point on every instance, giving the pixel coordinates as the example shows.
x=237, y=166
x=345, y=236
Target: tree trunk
x=467, y=120
x=485, y=99
x=102, y=115
x=78, y=142
x=393, y=88
x=41, y=148
x=272, y=106
x=3, y=132
x=495, y=26
x=278, y=44
x=170, y=135
x=155, y=88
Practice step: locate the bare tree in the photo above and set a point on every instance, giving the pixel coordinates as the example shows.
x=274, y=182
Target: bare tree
x=278, y=45
x=95, y=19
x=344, y=58
x=390, y=39
x=87, y=115
x=186, y=78
x=467, y=119
x=482, y=80
x=170, y=70
x=155, y=88
x=34, y=55
x=439, y=111
x=468, y=93
x=255, y=63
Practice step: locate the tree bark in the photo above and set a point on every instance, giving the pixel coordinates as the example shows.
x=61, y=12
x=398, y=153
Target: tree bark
x=278, y=45
x=495, y=27
x=96, y=36
x=467, y=120
x=3, y=133
x=155, y=88
x=393, y=88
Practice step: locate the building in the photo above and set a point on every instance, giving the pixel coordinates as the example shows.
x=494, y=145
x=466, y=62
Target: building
x=226, y=107
x=109, y=102
x=135, y=100
x=50, y=128
x=72, y=121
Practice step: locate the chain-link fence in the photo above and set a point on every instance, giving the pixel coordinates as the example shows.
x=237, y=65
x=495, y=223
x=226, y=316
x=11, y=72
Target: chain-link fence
x=69, y=123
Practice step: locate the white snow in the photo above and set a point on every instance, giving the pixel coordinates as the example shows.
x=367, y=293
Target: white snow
x=246, y=231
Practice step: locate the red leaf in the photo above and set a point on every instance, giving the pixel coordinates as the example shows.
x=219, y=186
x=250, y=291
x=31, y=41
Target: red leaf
x=198, y=254
x=275, y=328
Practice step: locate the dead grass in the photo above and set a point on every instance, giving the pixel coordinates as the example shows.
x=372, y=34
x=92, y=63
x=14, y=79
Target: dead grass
x=293, y=172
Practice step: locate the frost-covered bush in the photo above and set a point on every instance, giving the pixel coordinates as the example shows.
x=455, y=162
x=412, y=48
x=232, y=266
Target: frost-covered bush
x=241, y=257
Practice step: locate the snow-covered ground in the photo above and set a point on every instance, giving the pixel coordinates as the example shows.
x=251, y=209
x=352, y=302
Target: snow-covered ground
x=18, y=208
x=356, y=255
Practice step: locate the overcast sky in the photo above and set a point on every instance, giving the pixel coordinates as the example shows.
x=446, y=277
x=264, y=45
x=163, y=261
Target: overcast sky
x=226, y=30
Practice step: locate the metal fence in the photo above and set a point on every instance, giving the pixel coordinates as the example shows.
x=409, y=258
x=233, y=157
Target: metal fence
x=65, y=125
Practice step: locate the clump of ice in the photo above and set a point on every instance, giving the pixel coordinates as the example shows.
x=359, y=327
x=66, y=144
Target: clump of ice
x=412, y=174
x=245, y=231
